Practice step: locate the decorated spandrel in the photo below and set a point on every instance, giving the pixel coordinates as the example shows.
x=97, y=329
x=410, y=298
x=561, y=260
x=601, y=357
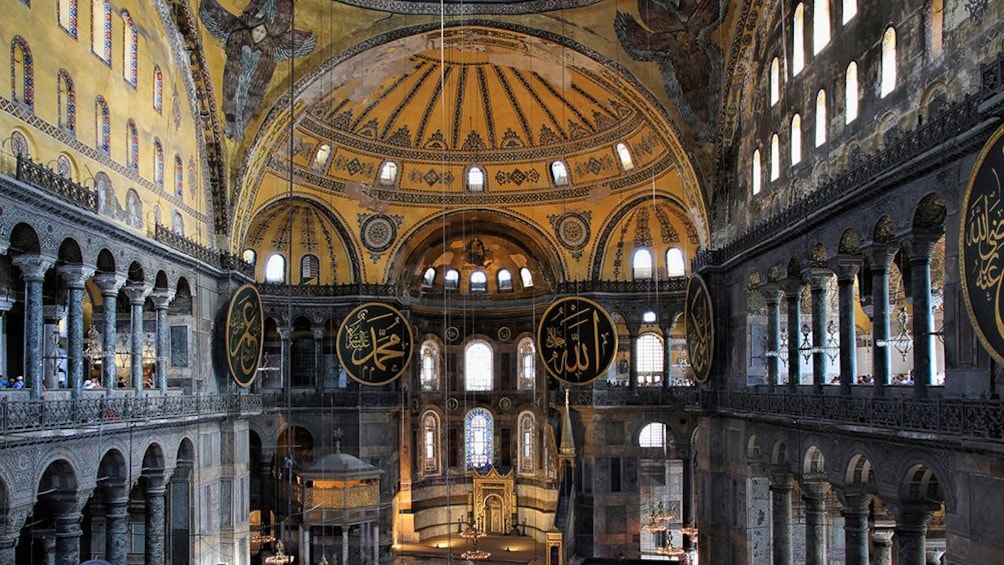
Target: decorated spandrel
x=700, y=320
x=981, y=243
x=244, y=331
x=374, y=344
x=576, y=340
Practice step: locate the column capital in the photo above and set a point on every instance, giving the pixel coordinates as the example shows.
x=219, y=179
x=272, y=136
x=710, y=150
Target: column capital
x=33, y=266
x=780, y=478
x=814, y=489
x=882, y=532
x=880, y=255
x=284, y=332
x=846, y=266
x=792, y=286
x=161, y=298
x=136, y=292
x=319, y=332
x=53, y=313
x=817, y=277
x=75, y=275
x=109, y=283
x=921, y=245
x=771, y=292
x=855, y=501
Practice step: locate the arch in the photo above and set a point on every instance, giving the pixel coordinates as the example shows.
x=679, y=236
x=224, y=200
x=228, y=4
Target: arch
x=57, y=489
x=478, y=435
x=821, y=123
x=130, y=49
x=132, y=147
x=859, y=471
x=294, y=445
x=850, y=242
x=478, y=365
x=753, y=452
x=526, y=351
x=930, y=214
x=921, y=484
x=756, y=172
x=676, y=263
x=527, y=426
x=134, y=209
x=798, y=39
x=69, y=252
x=775, y=81
x=24, y=239
x=655, y=435
x=136, y=273
x=158, y=89
x=66, y=102
x=275, y=268
x=106, y=261
x=884, y=230
x=22, y=72
x=102, y=127
x=779, y=454
x=820, y=25
x=852, y=92
x=431, y=442
x=887, y=72
x=813, y=463
x=429, y=365
x=642, y=264
x=796, y=139
x=775, y=157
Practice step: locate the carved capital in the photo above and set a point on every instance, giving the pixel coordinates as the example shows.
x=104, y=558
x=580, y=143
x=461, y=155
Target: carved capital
x=793, y=286
x=780, y=478
x=846, y=267
x=856, y=504
x=136, y=292
x=771, y=292
x=880, y=256
x=319, y=333
x=161, y=298
x=33, y=266
x=921, y=245
x=53, y=313
x=284, y=332
x=109, y=283
x=75, y=275
x=817, y=277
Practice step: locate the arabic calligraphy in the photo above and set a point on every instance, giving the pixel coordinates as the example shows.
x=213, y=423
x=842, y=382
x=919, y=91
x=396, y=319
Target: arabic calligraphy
x=576, y=340
x=981, y=241
x=245, y=326
x=700, y=328
x=374, y=344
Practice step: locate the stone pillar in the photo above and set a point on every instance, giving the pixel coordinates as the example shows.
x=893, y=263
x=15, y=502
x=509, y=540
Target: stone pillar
x=33, y=268
x=667, y=356
x=6, y=303
x=856, y=527
x=921, y=248
x=136, y=292
x=68, y=538
x=109, y=285
x=345, y=544
x=116, y=526
x=793, y=299
x=161, y=298
x=318, y=358
x=8, y=546
x=285, y=333
x=75, y=276
x=880, y=257
x=814, y=495
x=52, y=314
x=10, y=531
x=376, y=543
x=633, y=370
x=49, y=549
x=882, y=543
x=847, y=269
x=911, y=535
x=155, y=519
x=772, y=294
x=780, y=501
x=689, y=497
x=266, y=489
x=818, y=279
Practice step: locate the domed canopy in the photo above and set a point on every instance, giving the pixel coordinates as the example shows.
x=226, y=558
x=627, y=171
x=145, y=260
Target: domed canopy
x=335, y=466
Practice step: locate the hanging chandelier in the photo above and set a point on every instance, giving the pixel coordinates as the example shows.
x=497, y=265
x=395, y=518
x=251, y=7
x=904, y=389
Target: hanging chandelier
x=279, y=558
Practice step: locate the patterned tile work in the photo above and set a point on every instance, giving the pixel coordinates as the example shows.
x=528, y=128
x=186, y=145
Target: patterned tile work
x=66, y=101
x=179, y=177
x=22, y=72
x=66, y=14
x=158, y=89
x=458, y=7
x=132, y=135
x=103, y=125
x=158, y=163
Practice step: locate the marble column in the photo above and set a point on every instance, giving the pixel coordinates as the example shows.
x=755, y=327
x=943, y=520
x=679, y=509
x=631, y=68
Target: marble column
x=136, y=293
x=49, y=550
x=921, y=247
x=780, y=501
x=793, y=300
x=75, y=276
x=33, y=268
x=285, y=333
x=633, y=370
x=116, y=526
x=265, y=490
x=911, y=535
x=880, y=258
x=376, y=543
x=345, y=545
x=667, y=356
x=318, y=358
x=772, y=295
x=818, y=279
x=68, y=538
x=882, y=543
x=6, y=303
x=689, y=502
x=814, y=496
x=8, y=546
x=847, y=269
x=155, y=520
x=161, y=298
x=855, y=514
x=109, y=285
x=52, y=314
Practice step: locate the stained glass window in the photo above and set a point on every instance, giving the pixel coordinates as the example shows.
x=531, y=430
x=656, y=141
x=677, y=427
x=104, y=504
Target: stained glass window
x=430, y=366
x=430, y=441
x=527, y=365
x=528, y=447
x=478, y=434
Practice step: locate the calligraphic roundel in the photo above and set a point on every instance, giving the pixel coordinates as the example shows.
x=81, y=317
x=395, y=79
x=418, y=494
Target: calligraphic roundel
x=981, y=243
x=576, y=340
x=374, y=344
x=244, y=334
x=700, y=324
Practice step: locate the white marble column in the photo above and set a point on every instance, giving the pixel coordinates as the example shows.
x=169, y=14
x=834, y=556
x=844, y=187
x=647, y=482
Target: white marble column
x=793, y=300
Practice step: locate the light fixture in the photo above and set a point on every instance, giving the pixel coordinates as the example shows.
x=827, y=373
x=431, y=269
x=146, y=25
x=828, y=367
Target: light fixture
x=149, y=353
x=93, y=350
x=279, y=558
x=903, y=342
x=782, y=347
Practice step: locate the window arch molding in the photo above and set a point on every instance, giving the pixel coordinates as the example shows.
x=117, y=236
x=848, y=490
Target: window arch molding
x=479, y=362
x=479, y=429
x=526, y=363
x=528, y=442
x=430, y=364
x=431, y=433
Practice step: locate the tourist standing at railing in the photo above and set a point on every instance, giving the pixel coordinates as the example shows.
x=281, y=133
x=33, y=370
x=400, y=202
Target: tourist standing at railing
x=3, y=382
x=18, y=382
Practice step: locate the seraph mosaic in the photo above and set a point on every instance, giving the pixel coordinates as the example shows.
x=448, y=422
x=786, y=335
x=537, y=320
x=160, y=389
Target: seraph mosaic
x=254, y=42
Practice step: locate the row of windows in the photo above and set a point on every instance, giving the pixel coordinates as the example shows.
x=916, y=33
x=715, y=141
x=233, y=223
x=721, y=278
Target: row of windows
x=476, y=176
x=642, y=266
x=67, y=12
x=478, y=280
x=479, y=425
x=852, y=96
x=275, y=266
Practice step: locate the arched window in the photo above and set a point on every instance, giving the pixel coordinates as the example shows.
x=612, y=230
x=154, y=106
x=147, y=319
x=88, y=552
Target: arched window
x=888, y=69
x=67, y=10
x=130, y=44
x=66, y=101
x=624, y=155
x=479, y=281
x=820, y=25
x=850, y=10
x=505, y=279
x=429, y=374
x=321, y=157
x=132, y=155
x=775, y=81
x=275, y=268
x=653, y=435
x=478, y=366
x=757, y=173
x=158, y=89
x=475, y=179
x=158, y=163
x=310, y=268
x=430, y=443
x=64, y=167
x=388, y=173
x=102, y=125
x=796, y=139
x=527, y=377
x=798, y=40
x=249, y=256
x=429, y=278
x=559, y=173
x=775, y=157
x=451, y=281
x=675, y=264
x=134, y=209
x=851, y=92
x=650, y=354
x=527, y=443
x=178, y=224
x=101, y=30
x=179, y=177
x=820, y=118
x=936, y=29
x=478, y=432
x=641, y=264
x=526, y=277
x=22, y=72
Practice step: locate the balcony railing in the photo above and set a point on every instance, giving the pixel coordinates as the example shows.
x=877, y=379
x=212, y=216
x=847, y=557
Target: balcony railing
x=41, y=177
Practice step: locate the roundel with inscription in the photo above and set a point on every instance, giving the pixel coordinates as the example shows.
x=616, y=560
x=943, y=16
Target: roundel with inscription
x=576, y=340
x=374, y=344
x=244, y=335
x=700, y=324
x=981, y=243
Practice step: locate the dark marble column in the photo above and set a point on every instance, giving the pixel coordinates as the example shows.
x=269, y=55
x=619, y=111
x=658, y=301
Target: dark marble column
x=689, y=497
x=161, y=298
x=921, y=247
x=8, y=546
x=285, y=333
x=818, y=279
x=75, y=276
x=880, y=257
x=633, y=370
x=49, y=550
x=33, y=268
x=772, y=294
x=6, y=303
x=793, y=300
x=136, y=292
x=882, y=543
x=780, y=503
x=10, y=531
x=856, y=528
x=109, y=285
x=116, y=527
x=911, y=535
x=155, y=520
x=847, y=269
x=667, y=356
x=814, y=496
x=52, y=314
x=318, y=358
x=68, y=538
